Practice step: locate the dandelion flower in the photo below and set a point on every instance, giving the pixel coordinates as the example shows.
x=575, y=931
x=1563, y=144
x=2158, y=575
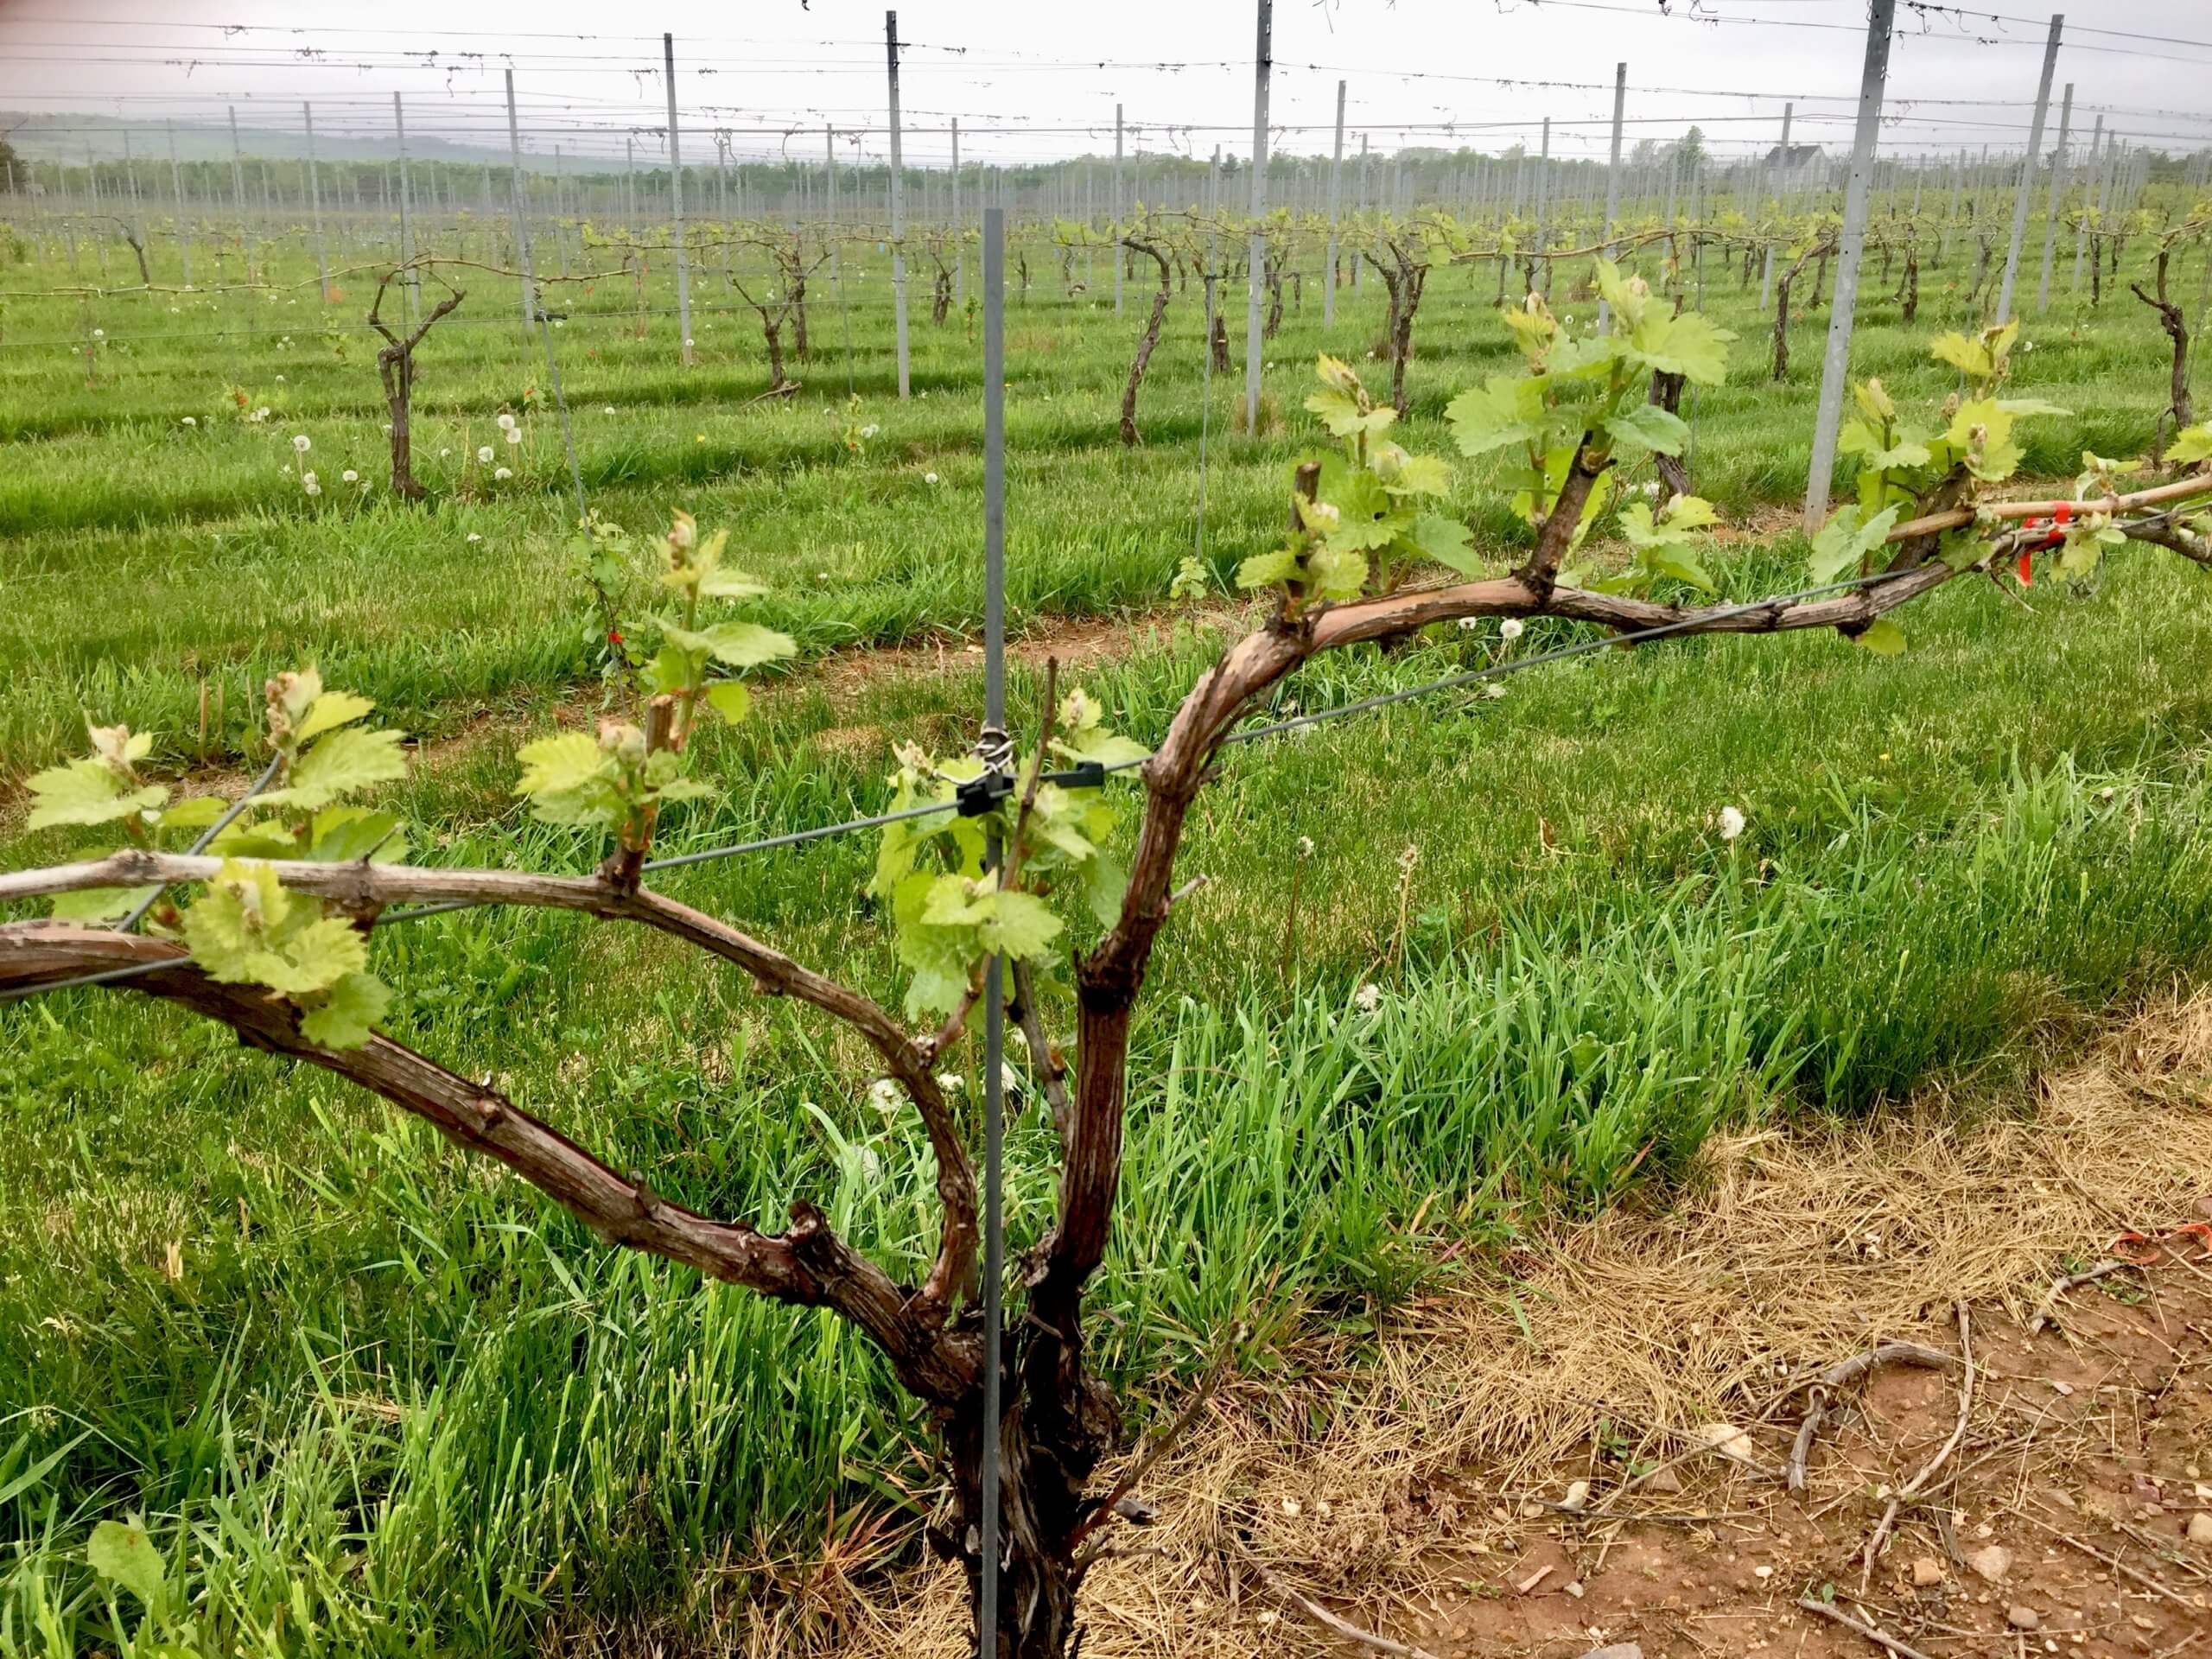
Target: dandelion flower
x=502, y=474
x=99, y=333
x=610, y=408
x=1510, y=628
x=1306, y=846
x=280, y=379
x=1493, y=690
x=870, y=429
x=484, y=454
x=474, y=537
x=349, y=476
x=1367, y=998
x=883, y=1095
x=308, y=482
x=1651, y=489
x=929, y=478
x=192, y=420
x=442, y=454
x=1732, y=823
x=952, y=1082
x=506, y=423
x=300, y=443
x=514, y=434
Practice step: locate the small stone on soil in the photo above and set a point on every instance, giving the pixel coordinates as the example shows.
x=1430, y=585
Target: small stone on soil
x=1993, y=1562
x=1926, y=1571
x=2023, y=1618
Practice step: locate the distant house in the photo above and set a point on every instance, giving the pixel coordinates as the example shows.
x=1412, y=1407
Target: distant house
x=1800, y=158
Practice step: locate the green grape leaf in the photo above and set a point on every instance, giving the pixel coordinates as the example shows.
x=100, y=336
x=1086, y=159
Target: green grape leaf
x=1344, y=417
x=1281, y=564
x=2190, y=445
x=567, y=762
x=338, y=765
x=193, y=812
x=1846, y=540
x=723, y=583
x=87, y=792
x=1336, y=572
x=1420, y=476
x=1968, y=356
x=1688, y=512
x=1674, y=559
x=1691, y=346
x=342, y=835
x=669, y=670
x=1507, y=409
x=318, y=955
x=1882, y=637
x=747, y=644
x=1982, y=430
x=1447, y=540
x=1647, y=426
x=571, y=781
x=231, y=922
x=1020, y=925
x=91, y=905
x=341, y=1016
x=121, y=1553
x=330, y=711
x=729, y=699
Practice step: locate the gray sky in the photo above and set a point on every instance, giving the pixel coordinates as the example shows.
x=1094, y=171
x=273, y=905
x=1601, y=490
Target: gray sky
x=1037, y=80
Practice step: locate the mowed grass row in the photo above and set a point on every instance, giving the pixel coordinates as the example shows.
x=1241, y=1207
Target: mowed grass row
x=210, y=569
x=375, y=1398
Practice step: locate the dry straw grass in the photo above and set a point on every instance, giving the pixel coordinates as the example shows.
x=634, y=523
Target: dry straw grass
x=1792, y=1249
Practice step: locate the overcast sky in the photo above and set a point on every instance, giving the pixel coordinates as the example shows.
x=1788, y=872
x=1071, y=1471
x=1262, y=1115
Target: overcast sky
x=1033, y=78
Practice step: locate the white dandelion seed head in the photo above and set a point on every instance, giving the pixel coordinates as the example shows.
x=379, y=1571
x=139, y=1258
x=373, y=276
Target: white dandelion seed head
x=514, y=434
x=442, y=454
x=506, y=423
x=484, y=454
x=952, y=1082
x=870, y=429
x=300, y=443
x=1367, y=998
x=610, y=410
x=502, y=474
x=192, y=420
x=1306, y=846
x=1730, y=823
x=474, y=537
x=1493, y=690
x=929, y=478
x=99, y=333
x=349, y=476
x=310, y=484
x=1469, y=624
x=280, y=379
x=1651, y=489
x=1511, y=628
x=883, y=1095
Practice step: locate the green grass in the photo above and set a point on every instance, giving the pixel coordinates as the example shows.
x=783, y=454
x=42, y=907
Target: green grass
x=380, y=1400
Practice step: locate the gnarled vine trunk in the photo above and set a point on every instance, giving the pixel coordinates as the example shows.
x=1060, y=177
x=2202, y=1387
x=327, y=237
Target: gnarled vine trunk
x=1149, y=340
x=2179, y=411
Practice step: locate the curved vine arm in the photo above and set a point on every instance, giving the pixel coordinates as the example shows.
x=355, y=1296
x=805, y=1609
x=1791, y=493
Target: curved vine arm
x=364, y=890
x=807, y=1264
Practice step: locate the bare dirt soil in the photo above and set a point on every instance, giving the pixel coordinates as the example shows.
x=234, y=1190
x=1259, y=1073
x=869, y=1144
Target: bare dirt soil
x=1427, y=1482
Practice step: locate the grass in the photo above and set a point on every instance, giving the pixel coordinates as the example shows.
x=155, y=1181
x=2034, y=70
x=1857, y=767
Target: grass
x=373, y=1398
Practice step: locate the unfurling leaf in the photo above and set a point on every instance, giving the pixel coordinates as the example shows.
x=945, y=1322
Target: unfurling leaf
x=87, y=792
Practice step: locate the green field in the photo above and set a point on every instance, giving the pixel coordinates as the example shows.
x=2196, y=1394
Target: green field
x=373, y=1399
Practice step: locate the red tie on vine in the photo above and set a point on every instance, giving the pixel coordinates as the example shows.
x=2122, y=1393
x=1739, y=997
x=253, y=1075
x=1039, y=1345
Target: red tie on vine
x=2056, y=526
